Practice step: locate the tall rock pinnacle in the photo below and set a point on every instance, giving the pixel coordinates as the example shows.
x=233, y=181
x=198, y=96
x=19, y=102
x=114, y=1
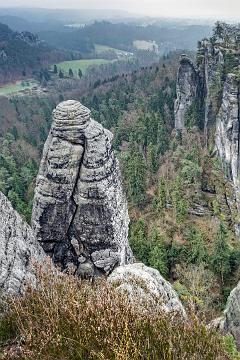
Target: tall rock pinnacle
x=80, y=211
x=187, y=83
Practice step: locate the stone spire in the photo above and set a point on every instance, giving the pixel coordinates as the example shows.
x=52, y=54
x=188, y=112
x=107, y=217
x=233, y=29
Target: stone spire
x=80, y=211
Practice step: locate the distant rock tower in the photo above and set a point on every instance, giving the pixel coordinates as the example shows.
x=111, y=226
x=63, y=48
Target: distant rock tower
x=80, y=211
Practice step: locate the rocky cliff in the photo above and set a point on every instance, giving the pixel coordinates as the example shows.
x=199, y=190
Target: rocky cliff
x=230, y=322
x=218, y=77
x=187, y=89
x=80, y=214
x=208, y=96
x=19, y=250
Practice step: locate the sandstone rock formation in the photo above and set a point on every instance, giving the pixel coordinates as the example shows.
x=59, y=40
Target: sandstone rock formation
x=18, y=250
x=212, y=86
x=80, y=211
x=187, y=84
x=230, y=322
x=146, y=287
x=227, y=136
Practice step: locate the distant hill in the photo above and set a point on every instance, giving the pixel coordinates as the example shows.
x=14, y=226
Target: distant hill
x=122, y=35
x=22, y=53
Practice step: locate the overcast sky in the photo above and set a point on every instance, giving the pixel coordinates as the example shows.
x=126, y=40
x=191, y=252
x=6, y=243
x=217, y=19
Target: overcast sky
x=173, y=8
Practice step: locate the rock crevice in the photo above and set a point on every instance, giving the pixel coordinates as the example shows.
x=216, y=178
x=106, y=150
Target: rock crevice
x=80, y=211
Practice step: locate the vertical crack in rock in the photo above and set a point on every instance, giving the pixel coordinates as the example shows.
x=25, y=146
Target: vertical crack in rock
x=187, y=84
x=80, y=211
x=18, y=248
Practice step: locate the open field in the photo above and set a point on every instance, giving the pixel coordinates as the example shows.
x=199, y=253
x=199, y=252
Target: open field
x=17, y=86
x=79, y=64
x=145, y=45
x=103, y=48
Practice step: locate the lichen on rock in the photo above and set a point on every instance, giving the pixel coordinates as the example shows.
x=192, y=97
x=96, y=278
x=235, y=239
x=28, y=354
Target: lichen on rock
x=80, y=211
x=146, y=287
x=19, y=250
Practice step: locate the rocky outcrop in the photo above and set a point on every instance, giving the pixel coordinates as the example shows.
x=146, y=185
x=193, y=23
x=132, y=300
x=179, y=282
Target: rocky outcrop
x=230, y=322
x=80, y=214
x=209, y=91
x=187, y=87
x=146, y=287
x=210, y=62
x=19, y=250
x=228, y=132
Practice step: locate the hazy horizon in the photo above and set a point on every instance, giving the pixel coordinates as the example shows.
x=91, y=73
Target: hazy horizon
x=156, y=8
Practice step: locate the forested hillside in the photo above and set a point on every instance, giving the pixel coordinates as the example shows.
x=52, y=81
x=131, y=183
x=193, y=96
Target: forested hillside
x=22, y=53
x=176, y=190
x=122, y=35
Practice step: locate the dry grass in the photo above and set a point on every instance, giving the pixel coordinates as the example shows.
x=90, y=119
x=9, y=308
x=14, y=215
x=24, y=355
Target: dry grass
x=68, y=319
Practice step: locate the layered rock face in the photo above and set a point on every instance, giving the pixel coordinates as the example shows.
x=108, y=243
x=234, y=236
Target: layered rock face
x=228, y=131
x=230, y=321
x=19, y=250
x=146, y=287
x=80, y=211
x=187, y=85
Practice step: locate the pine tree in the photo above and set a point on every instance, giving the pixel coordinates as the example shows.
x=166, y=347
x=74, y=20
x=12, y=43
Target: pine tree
x=136, y=177
x=179, y=200
x=55, y=69
x=161, y=200
x=221, y=254
x=80, y=73
x=158, y=253
x=139, y=242
x=70, y=73
x=61, y=74
x=197, y=252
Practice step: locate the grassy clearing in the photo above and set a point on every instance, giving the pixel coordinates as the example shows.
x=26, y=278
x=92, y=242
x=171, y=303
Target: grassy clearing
x=20, y=85
x=75, y=320
x=79, y=64
x=101, y=48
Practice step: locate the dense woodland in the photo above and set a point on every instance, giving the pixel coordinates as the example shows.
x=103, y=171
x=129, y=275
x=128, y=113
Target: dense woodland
x=180, y=222
x=122, y=35
x=22, y=54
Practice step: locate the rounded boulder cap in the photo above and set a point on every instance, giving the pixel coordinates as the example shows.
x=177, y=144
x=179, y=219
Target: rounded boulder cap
x=71, y=111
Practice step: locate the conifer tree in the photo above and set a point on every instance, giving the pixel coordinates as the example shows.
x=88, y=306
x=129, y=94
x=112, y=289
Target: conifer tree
x=161, y=200
x=136, y=176
x=139, y=242
x=197, y=252
x=179, y=200
x=61, y=74
x=221, y=254
x=70, y=73
x=158, y=253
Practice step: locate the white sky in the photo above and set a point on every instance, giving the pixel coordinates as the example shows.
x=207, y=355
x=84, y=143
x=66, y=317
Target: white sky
x=171, y=8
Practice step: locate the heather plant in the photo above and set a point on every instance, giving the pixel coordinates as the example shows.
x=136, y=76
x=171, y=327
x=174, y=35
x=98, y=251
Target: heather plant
x=66, y=318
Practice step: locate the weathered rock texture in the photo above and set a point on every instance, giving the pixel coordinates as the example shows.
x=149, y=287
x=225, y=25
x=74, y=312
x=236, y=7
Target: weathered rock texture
x=187, y=87
x=80, y=211
x=19, y=250
x=146, y=287
x=227, y=136
x=230, y=322
x=212, y=86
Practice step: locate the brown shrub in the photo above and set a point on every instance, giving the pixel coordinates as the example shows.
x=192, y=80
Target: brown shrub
x=69, y=319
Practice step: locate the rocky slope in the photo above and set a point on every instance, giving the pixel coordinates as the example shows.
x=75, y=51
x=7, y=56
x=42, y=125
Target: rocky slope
x=19, y=250
x=217, y=76
x=146, y=287
x=80, y=211
x=208, y=94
